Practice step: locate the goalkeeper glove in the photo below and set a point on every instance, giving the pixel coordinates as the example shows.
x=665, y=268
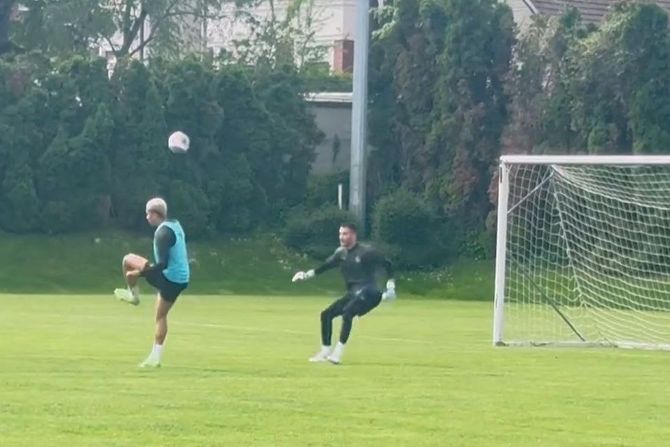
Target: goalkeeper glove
x=389, y=294
x=302, y=276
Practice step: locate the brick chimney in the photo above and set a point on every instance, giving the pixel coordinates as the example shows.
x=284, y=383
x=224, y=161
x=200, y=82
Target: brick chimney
x=344, y=56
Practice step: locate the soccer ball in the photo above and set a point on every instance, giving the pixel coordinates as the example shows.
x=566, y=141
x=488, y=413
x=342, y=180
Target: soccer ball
x=178, y=142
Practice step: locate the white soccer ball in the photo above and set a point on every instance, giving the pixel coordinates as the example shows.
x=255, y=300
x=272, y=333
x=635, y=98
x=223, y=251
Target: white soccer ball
x=179, y=142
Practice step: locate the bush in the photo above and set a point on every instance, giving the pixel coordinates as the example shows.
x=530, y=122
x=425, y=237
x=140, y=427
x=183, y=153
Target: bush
x=409, y=231
x=322, y=189
x=57, y=217
x=323, y=81
x=477, y=245
x=315, y=232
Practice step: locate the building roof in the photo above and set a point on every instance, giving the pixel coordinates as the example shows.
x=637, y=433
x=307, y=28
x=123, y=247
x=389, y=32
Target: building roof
x=591, y=11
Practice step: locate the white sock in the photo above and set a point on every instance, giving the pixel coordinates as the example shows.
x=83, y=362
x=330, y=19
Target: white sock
x=339, y=347
x=135, y=291
x=156, y=352
x=325, y=348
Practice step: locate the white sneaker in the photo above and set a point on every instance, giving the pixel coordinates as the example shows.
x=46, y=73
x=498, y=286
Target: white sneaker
x=150, y=363
x=127, y=296
x=321, y=356
x=336, y=357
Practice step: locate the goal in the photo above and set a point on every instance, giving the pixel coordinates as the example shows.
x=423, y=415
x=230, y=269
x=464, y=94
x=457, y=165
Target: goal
x=583, y=251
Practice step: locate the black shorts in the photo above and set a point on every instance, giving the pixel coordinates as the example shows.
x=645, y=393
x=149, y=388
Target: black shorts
x=358, y=302
x=169, y=290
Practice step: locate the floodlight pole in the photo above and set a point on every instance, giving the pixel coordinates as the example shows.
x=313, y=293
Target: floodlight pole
x=357, y=174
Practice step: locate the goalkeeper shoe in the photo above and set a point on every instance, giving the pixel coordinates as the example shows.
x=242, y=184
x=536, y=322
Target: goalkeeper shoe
x=321, y=356
x=336, y=356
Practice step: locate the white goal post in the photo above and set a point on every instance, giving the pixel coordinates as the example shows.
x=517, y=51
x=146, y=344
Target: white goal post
x=583, y=251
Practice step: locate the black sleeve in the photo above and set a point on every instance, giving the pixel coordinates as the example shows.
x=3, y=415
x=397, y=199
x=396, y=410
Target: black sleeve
x=333, y=261
x=376, y=257
x=165, y=238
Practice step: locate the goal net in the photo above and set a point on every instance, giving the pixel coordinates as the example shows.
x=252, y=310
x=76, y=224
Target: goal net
x=583, y=255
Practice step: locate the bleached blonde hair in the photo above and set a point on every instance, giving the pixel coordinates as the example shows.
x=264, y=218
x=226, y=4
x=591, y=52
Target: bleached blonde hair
x=158, y=206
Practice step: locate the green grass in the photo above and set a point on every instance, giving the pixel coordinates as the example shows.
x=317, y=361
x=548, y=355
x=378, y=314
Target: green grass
x=417, y=373
x=260, y=265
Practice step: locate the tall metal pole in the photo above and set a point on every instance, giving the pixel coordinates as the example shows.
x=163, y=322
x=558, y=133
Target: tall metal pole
x=205, y=14
x=357, y=177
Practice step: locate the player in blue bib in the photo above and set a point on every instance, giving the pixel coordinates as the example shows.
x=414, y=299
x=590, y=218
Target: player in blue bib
x=169, y=273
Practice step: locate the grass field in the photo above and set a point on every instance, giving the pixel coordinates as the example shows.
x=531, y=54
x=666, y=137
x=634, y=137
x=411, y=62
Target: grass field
x=417, y=373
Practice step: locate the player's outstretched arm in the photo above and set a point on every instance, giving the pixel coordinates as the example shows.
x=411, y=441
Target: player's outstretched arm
x=333, y=261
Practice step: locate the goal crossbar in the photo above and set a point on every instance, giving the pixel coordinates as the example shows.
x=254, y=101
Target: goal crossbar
x=586, y=159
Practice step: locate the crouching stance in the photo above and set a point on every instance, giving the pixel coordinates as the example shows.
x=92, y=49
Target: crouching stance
x=358, y=263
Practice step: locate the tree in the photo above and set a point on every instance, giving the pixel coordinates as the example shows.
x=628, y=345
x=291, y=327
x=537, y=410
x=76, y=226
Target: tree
x=438, y=102
x=74, y=176
x=578, y=89
x=78, y=148
x=62, y=28
x=138, y=149
x=7, y=7
x=294, y=135
x=620, y=82
x=18, y=196
x=243, y=148
x=407, y=40
x=23, y=132
x=126, y=26
x=284, y=37
x=538, y=85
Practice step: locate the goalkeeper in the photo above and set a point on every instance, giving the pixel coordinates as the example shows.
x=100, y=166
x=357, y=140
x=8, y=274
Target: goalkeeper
x=358, y=263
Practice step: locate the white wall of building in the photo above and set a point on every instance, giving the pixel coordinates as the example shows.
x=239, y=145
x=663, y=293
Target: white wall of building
x=522, y=11
x=332, y=21
x=332, y=115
